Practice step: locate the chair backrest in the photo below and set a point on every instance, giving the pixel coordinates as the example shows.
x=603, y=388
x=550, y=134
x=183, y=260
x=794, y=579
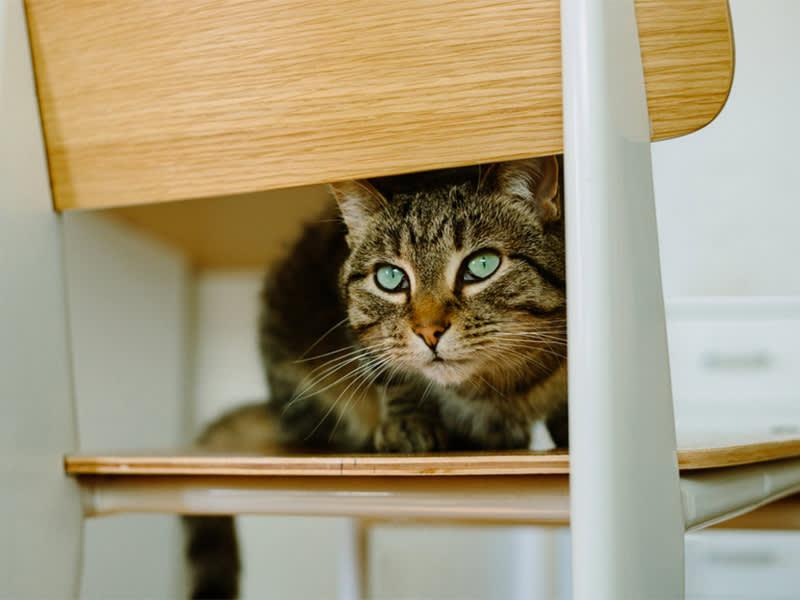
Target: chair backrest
x=151, y=101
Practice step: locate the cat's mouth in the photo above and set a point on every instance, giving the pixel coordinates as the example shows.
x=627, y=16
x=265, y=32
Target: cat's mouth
x=445, y=371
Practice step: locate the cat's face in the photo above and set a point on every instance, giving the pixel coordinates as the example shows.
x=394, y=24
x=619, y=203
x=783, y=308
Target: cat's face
x=462, y=283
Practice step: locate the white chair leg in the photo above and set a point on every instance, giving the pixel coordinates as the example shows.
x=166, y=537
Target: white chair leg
x=353, y=556
x=40, y=510
x=626, y=514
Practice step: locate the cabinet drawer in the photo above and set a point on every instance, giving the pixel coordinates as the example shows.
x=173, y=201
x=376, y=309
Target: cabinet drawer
x=151, y=101
x=742, y=565
x=742, y=354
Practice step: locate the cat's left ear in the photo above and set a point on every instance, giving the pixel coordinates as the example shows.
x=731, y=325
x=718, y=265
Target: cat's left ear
x=358, y=200
x=535, y=180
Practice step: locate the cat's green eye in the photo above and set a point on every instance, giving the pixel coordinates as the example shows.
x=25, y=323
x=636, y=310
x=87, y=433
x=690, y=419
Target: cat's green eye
x=391, y=278
x=481, y=265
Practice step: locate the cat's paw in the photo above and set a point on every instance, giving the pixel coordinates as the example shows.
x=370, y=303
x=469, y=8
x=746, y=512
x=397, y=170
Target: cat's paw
x=409, y=434
x=502, y=434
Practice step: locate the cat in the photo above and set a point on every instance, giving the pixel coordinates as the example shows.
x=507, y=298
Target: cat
x=431, y=316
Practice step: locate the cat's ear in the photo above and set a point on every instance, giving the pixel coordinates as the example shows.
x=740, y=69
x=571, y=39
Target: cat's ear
x=535, y=180
x=357, y=200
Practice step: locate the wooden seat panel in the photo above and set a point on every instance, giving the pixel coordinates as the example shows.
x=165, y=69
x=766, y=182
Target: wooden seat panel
x=725, y=452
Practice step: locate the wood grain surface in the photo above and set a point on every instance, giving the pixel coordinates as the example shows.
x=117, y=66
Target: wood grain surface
x=153, y=101
x=248, y=231
x=783, y=515
x=726, y=453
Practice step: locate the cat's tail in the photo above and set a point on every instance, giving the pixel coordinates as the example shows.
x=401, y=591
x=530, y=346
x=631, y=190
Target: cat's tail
x=213, y=556
x=212, y=552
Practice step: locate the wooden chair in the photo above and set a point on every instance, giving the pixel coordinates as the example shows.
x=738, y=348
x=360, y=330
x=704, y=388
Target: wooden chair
x=143, y=102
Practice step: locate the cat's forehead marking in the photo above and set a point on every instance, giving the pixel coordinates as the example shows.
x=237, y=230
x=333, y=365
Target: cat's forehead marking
x=428, y=243
x=435, y=230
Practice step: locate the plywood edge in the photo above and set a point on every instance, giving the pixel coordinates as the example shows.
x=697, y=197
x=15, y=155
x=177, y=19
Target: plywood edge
x=457, y=464
x=782, y=515
x=524, y=463
x=738, y=454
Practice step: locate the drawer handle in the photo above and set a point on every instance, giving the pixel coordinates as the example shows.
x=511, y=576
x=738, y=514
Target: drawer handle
x=784, y=429
x=743, y=557
x=751, y=361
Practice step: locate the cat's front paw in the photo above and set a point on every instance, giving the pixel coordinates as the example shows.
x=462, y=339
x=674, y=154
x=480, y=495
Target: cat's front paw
x=505, y=434
x=409, y=434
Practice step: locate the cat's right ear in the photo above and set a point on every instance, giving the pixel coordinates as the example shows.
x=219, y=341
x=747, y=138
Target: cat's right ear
x=358, y=200
x=535, y=180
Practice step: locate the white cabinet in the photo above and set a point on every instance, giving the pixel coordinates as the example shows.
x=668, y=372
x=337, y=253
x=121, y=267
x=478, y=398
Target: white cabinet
x=735, y=365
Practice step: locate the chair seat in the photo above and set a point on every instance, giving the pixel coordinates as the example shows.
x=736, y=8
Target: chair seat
x=722, y=451
x=724, y=478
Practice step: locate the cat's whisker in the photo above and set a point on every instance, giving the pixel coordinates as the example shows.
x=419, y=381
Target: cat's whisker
x=373, y=367
x=362, y=377
x=425, y=393
x=308, y=389
x=539, y=348
x=318, y=356
x=559, y=329
x=529, y=340
x=510, y=367
x=545, y=346
x=369, y=382
x=353, y=352
x=534, y=335
x=514, y=327
x=307, y=384
x=490, y=386
x=324, y=335
x=510, y=349
x=554, y=331
x=336, y=360
x=356, y=373
x=393, y=371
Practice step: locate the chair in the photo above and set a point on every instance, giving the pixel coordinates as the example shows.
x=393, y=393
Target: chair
x=627, y=490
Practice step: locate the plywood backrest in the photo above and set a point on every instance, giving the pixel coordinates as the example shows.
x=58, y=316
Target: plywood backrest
x=151, y=101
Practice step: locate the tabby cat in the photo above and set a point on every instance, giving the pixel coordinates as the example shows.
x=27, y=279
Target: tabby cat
x=431, y=316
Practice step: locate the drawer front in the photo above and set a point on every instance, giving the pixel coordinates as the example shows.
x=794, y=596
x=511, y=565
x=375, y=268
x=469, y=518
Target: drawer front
x=743, y=565
x=750, y=362
x=152, y=101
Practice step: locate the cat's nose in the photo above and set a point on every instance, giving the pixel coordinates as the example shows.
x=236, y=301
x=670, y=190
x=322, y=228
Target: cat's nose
x=431, y=333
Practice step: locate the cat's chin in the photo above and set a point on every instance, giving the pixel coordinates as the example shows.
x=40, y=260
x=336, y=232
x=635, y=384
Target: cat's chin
x=445, y=372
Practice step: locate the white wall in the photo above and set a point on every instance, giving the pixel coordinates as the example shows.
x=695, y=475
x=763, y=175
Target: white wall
x=227, y=369
x=127, y=298
x=728, y=195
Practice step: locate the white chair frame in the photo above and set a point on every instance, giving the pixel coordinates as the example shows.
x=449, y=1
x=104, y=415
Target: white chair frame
x=626, y=514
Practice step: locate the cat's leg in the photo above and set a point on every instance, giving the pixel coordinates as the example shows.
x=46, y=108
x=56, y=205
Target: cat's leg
x=505, y=432
x=411, y=421
x=558, y=426
x=212, y=551
x=480, y=424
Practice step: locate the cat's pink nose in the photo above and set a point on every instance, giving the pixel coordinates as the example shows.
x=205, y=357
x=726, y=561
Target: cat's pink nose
x=431, y=333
